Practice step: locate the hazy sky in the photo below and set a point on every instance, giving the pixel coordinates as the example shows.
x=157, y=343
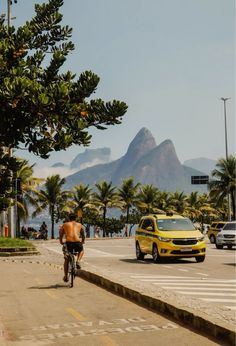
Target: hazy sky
x=169, y=60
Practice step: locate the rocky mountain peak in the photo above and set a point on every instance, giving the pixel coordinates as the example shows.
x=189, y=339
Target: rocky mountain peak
x=142, y=143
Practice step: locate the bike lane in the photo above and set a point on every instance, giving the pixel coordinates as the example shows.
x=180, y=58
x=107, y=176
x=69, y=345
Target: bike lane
x=37, y=308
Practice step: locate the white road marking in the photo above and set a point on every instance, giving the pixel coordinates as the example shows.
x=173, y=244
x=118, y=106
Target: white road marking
x=207, y=293
x=183, y=270
x=54, y=249
x=218, y=300
x=196, y=284
x=150, y=277
x=95, y=252
x=205, y=281
x=203, y=274
x=201, y=288
x=89, y=252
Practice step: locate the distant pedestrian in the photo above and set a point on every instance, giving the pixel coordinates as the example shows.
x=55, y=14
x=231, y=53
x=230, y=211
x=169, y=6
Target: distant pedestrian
x=125, y=231
x=43, y=231
x=87, y=230
x=24, y=232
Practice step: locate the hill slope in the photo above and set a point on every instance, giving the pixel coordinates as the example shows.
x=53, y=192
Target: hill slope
x=147, y=163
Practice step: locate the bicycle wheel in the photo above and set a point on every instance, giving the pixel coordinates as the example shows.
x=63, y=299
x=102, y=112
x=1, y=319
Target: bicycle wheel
x=71, y=270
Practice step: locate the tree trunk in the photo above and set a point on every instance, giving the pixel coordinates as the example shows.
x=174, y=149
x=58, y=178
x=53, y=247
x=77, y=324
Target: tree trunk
x=233, y=204
x=104, y=222
x=52, y=219
x=127, y=215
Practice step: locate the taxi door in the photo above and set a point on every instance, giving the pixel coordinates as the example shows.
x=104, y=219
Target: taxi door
x=148, y=226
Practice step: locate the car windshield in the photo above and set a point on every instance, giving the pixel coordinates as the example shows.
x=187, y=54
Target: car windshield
x=175, y=225
x=230, y=226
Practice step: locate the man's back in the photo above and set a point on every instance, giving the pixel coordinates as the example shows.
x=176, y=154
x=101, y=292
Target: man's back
x=73, y=231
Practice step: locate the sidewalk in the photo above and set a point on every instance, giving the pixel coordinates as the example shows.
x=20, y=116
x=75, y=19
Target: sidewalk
x=213, y=321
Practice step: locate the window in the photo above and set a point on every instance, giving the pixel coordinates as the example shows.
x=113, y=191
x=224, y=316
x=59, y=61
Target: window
x=147, y=223
x=220, y=225
x=175, y=225
x=230, y=226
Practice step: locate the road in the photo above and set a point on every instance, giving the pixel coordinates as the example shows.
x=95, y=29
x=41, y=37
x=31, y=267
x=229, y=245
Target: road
x=36, y=308
x=212, y=281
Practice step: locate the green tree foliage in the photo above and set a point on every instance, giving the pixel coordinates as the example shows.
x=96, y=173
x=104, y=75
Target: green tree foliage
x=43, y=109
x=26, y=188
x=106, y=197
x=128, y=193
x=81, y=199
x=224, y=183
x=199, y=208
x=50, y=198
x=9, y=165
x=148, y=198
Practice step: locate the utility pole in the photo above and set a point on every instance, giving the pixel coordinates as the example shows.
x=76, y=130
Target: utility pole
x=225, y=99
x=10, y=209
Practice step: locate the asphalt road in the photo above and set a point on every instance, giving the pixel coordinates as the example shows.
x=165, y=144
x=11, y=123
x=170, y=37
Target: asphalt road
x=37, y=308
x=212, y=281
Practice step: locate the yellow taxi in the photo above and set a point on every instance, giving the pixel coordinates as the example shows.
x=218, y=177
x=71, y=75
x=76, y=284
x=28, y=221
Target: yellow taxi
x=168, y=235
x=214, y=229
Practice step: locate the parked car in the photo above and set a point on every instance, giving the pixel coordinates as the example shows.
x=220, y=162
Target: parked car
x=214, y=230
x=169, y=235
x=227, y=236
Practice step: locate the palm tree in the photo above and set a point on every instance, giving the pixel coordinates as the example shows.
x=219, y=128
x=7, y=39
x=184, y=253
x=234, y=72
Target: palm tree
x=51, y=197
x=148, y=198
x=127, y=193
x=178, y=201
x=81, y=199
x=28, y=185
x=106, y=197
x=164, y=201
x=225, y=183
x=199, y=208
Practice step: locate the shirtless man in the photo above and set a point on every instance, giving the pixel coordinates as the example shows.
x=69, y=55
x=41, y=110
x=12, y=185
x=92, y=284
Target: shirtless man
x=75, y=238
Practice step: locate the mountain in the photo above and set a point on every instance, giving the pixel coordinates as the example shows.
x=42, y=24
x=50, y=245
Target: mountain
x=201, y=163
x=91, y=157
x=141, y=145
x=147, y=162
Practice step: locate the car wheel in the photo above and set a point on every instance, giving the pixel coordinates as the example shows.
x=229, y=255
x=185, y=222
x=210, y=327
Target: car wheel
x=219, y=246
x=155, y=254
x=212, y=239
x=139, y=253
x=229, y=247
x=200, y=259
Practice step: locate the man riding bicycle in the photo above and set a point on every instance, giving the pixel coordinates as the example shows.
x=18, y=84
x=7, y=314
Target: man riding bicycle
x=75, y=237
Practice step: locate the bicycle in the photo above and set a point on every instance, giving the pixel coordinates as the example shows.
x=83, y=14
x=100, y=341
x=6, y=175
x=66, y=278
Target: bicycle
x=71, y=267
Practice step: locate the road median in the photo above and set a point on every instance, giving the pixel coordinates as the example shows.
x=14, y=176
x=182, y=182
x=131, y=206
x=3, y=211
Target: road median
x=197, y=320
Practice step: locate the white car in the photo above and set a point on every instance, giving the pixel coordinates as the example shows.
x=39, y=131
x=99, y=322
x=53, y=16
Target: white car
x=227, y=236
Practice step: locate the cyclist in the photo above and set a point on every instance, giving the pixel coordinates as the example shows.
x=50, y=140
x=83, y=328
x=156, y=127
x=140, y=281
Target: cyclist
x=75, y=237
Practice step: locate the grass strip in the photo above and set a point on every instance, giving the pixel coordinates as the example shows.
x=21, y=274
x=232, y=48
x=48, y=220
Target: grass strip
x=14, y=242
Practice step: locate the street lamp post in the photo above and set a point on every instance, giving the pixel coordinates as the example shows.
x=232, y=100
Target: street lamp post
x=10, y=209
x=225, y=99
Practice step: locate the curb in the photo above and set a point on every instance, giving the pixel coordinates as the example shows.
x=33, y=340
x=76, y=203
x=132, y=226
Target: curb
x=220, y=331
x=18, y=251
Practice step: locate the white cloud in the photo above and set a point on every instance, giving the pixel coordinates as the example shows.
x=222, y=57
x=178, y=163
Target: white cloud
x=44, y=172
